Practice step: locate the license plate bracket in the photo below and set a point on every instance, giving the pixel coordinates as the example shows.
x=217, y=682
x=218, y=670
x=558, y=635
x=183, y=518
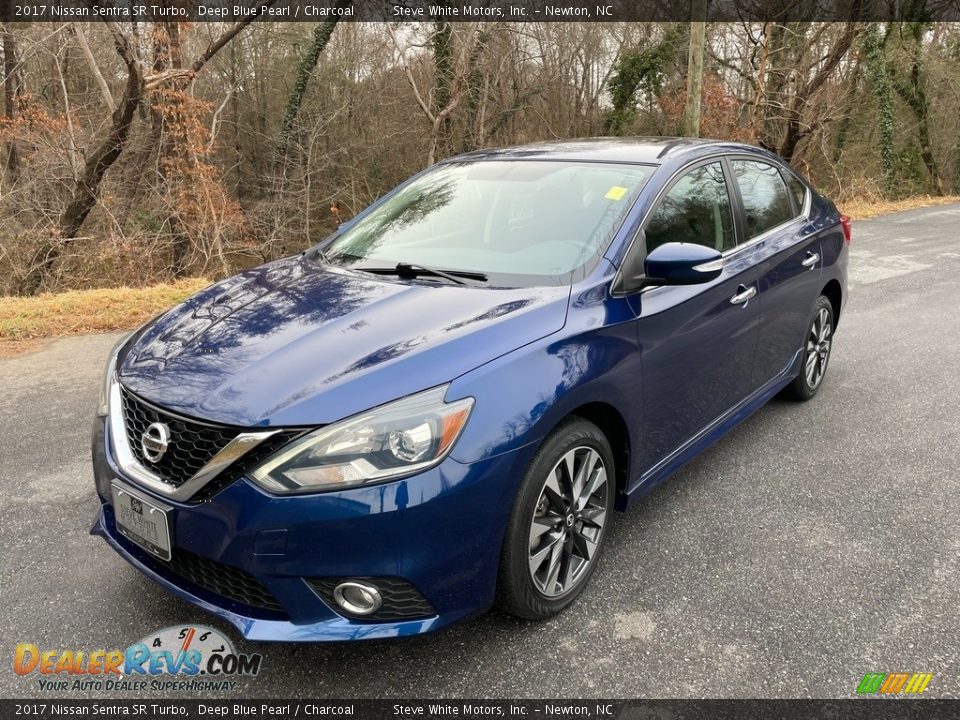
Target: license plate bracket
x=142, y=520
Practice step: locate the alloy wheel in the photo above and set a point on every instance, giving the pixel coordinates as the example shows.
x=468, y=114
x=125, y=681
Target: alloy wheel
x=818, y=348
x=568, y=521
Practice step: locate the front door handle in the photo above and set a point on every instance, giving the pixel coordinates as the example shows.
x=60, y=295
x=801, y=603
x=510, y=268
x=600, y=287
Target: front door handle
x=811, y=260
x=743, y=294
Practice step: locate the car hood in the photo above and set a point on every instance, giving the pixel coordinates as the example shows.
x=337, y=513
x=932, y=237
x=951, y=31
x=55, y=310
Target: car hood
x=297, y=343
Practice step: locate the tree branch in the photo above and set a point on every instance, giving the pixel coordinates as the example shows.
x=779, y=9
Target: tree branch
x=216, y=45
x=413, y=83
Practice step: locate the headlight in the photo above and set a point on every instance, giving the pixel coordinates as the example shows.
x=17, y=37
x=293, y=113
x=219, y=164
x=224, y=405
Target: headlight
x=404, y=437
x=103, y=407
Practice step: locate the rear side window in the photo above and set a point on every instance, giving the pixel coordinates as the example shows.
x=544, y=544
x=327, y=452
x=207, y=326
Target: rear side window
x=695, y=210
x=765, y=200
x=797, y=189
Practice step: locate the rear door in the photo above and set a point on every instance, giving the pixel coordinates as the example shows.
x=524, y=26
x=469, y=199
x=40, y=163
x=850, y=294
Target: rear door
x=787, y=251
x=698, y=342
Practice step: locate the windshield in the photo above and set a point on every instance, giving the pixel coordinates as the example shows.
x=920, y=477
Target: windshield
x=517, y=222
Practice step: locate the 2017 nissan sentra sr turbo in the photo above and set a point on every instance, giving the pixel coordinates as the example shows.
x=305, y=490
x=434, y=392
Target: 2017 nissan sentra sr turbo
x=444, y=404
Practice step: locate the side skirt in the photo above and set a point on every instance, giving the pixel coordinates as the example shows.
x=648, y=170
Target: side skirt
x=708, y=435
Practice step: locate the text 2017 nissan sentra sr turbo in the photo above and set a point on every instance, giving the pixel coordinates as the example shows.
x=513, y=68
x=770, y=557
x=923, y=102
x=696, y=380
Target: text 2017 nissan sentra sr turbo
x=442, y=406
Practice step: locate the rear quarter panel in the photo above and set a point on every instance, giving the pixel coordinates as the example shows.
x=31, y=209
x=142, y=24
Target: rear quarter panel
x=834, y=251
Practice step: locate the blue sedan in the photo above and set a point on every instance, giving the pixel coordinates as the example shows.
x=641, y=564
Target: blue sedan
x=447, y=403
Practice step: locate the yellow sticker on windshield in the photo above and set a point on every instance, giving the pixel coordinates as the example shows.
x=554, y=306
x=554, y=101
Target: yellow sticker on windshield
x=616, y=193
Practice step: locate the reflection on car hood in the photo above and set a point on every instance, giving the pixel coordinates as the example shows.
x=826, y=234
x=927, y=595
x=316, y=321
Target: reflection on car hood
x=295, y=343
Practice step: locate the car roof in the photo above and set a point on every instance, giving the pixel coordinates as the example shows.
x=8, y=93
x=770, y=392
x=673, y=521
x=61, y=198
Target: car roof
x=647, y=150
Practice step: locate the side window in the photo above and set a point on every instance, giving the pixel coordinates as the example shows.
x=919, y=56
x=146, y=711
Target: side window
x=695, y=210
x=765, y=200
x=797, y=189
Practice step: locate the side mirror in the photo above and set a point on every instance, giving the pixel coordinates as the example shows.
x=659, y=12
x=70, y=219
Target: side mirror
x=682, y=264
x=670, y=264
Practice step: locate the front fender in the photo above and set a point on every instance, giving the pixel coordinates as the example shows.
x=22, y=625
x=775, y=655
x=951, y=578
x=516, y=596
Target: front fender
x=522, y=396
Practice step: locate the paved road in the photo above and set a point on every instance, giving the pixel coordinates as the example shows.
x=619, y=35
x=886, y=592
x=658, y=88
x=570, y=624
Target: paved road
x=815, y=543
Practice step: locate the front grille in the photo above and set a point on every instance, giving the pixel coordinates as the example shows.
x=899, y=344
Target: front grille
x=230, y=582
x=401, y=600
x=192, y=443
x=233, y=472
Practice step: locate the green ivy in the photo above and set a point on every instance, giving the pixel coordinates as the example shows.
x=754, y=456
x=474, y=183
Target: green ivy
x=638, y=72
x=908, y=169
x=879, y=79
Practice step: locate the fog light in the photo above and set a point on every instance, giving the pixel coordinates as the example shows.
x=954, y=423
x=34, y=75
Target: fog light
x=357, y=598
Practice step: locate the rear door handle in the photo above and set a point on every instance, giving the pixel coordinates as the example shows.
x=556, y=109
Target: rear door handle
x=810, y=260
x=743, y=294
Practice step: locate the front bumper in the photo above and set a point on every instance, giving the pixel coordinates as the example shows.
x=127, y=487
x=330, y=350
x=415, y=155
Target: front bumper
x=440, y=531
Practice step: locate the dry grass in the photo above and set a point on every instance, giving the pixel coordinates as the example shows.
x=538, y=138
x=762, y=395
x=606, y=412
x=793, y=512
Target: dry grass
x=24, y=322
x=861, y=209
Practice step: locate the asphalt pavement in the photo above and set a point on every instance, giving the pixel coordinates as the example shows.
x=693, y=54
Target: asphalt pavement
x=815, y=543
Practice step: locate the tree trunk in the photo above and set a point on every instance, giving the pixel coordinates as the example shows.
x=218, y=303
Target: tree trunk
x=878, y=77
x=773, y=83
x=174, y=148
x=760, y=87
x=235, y=113
x=442, y=41
x=914, y=94
x=956, y=164
x=308, y=63
x=474, y=94
x=11, y=94
x=85, y=192
x=846, y=119
x=80, y=33
x=85, y=195
x=691, y=114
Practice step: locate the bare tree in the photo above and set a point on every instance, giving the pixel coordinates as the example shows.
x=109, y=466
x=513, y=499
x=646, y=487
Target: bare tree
x=125, y=135
x=799, y=121
x=87, y=186
x=449, y=83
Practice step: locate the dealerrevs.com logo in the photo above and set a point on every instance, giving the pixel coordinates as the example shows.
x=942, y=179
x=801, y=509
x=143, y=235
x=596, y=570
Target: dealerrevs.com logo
x=894, y=683
x=191, y=657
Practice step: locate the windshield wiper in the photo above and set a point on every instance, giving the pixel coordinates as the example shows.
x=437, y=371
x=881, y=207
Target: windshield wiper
x=413, y=270
x=453, y=275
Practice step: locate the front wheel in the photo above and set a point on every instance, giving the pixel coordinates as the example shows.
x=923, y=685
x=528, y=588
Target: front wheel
x=816, y=352
x=559, y=522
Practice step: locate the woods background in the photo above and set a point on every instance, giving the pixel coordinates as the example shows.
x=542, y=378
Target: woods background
x=138, y=153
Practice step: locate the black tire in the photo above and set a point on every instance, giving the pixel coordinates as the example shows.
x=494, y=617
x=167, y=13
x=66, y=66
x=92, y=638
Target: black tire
x=816, y=349
x=535, y=595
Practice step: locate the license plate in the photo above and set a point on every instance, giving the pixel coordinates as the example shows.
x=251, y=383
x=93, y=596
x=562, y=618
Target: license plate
x=142, y=520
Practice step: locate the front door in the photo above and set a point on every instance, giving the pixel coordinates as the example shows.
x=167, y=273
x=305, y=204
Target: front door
x=697, y=342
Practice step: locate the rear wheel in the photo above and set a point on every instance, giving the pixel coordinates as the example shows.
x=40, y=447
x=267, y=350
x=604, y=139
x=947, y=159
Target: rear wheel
x=816, y=352
x=559, y=522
